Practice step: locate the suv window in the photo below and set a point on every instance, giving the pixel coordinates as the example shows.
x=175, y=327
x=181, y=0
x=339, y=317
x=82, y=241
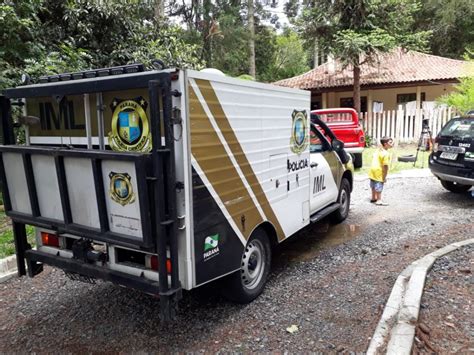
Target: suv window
x=459, y=128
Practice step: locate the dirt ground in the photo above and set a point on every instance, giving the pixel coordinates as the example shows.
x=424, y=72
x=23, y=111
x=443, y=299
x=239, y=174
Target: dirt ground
x=446, y=322
x=329, y=283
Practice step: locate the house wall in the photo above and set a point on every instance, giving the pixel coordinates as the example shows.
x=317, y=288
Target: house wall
x=387, y=96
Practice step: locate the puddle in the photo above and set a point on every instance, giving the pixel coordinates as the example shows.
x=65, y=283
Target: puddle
x=307, y=244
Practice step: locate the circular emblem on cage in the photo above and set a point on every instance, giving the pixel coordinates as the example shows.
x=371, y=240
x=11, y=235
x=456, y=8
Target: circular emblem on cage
x=130, y=131
x=121, y=190
x=299, y=132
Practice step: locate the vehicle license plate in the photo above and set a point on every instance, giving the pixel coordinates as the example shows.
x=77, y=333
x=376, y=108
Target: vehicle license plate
x=449, y=156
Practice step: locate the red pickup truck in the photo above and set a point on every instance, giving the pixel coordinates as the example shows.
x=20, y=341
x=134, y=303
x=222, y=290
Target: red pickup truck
x=344, y=122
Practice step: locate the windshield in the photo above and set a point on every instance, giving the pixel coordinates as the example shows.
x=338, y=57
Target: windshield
x=459, y=128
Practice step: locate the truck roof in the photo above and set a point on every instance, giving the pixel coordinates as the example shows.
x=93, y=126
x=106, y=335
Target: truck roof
x=86, y=85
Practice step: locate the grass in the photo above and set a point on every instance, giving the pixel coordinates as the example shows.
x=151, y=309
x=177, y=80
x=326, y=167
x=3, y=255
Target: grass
x=7, y=244
x=422, y=161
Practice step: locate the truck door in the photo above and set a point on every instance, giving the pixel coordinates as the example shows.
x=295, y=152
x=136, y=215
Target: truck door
x=323, y=186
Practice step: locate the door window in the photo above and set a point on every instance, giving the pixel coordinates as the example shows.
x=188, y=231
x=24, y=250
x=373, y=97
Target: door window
x=318, y=143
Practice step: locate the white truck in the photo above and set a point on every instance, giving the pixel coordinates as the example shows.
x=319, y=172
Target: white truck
x=165, y=180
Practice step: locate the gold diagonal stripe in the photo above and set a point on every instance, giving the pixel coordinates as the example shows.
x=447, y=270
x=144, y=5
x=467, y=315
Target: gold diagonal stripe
x=222, y=121
x=212, y=157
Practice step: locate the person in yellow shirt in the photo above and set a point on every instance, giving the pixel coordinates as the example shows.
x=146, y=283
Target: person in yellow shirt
x=379, y=170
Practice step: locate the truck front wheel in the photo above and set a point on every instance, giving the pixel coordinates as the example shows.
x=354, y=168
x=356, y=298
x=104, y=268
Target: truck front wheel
x=247, y=284
x=344, y=200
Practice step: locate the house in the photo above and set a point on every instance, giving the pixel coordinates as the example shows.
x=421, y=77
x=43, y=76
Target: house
x=397, y=78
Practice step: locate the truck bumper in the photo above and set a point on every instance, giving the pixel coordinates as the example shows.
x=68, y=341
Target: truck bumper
x=353, y=150
x=33, y=257
x=459, y=175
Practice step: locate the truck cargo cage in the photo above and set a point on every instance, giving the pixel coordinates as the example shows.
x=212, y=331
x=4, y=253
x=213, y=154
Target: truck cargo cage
x=34, y=178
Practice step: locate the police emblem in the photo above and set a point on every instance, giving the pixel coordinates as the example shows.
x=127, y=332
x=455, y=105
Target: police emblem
x=121, y=190
x=130, y=129
x=299, y=135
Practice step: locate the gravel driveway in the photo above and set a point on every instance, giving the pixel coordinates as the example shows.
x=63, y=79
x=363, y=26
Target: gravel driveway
x=330, y=281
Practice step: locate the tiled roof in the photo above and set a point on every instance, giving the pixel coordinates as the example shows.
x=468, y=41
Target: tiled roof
x=397, y=66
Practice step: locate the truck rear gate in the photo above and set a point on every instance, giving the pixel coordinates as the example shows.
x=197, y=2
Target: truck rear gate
x=41, y=187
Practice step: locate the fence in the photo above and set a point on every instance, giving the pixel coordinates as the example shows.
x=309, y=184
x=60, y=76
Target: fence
x=404, y=127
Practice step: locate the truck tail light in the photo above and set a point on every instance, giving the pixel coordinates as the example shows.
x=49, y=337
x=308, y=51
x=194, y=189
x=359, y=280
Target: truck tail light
x=49, y=239
x=151, y=262
x=362, y=139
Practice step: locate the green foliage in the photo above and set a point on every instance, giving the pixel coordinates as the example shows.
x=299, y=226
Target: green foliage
x=246, y=77
x=66, y=58
x=46, y=37
x=452, y=23
x=146, y=45
x=290, y=58
x=463, y=98
x=369, y=140
x=265, y=51
x=229, y=49
x=18, y=24
x=7, y=244
x=17, y=31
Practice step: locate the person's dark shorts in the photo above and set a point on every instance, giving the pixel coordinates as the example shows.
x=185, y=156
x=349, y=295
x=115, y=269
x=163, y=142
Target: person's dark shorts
x=376, y=185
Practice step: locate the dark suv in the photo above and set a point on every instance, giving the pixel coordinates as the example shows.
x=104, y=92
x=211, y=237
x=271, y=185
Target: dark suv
x=452, y=160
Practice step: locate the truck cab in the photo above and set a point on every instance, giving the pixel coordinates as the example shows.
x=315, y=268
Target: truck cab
x=345, y=124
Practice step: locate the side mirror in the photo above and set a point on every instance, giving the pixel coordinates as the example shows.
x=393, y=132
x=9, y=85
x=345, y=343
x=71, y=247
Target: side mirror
x=337, y=145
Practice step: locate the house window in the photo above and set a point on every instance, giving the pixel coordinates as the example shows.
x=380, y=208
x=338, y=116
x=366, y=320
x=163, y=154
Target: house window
x=315, y=105
x=349, y=102
x=404, y=98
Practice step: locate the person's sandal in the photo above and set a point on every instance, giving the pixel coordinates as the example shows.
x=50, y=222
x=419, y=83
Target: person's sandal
x=373, y=201
x=380, y=203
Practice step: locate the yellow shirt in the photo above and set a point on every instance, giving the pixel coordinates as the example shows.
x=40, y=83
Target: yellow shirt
x=381, y=157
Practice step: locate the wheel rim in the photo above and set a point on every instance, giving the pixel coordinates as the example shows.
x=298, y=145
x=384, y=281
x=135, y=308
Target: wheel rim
x=253, y=264
x=344, y=201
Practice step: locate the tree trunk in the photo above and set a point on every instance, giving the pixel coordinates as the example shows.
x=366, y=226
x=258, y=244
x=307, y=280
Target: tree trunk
x=251, y=25
x=316, y=53
x=207, y=55
x=356, y=96
x=197, y=15
x=160, y=10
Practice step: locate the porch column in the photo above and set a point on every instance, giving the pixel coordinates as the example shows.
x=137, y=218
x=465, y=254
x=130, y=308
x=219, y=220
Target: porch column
x=418, y=114
x=324, y=100
x=369, y=103
x=418, y=97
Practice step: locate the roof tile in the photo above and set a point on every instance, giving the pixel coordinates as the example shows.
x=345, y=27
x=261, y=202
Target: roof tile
x=398, y=66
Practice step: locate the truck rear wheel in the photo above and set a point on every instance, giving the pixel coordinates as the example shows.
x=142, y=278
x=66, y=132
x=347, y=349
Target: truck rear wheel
x=247, y=284
x=345, y=200
x=357, y=160
x=454, y=186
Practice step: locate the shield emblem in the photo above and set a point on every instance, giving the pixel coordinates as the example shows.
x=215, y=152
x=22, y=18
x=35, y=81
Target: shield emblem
x=121, y=188
x=129, y=126
x=299, y=132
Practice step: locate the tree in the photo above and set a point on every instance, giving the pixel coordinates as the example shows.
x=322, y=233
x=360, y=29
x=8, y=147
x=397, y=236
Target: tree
x=356, y=31
x=289, y=58
x=452, y=23
x=46, y=37
x=251, y=28
x=18, y=23
x=463, y=98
